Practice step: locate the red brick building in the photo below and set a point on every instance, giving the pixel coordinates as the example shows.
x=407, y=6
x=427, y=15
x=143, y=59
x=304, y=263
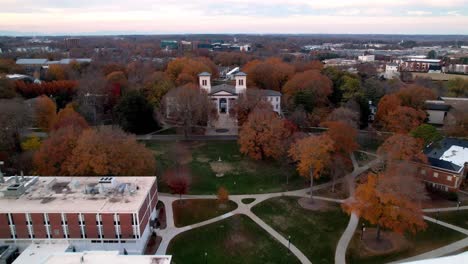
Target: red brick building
x=90, y=213
x=447, y=163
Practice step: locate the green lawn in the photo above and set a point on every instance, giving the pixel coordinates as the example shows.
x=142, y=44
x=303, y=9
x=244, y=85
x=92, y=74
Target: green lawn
x=363, y=158
x=236, y=239
x=242, y=175
x=192, y=211
x=458, y=218
x=315, y=233
x=433, y=237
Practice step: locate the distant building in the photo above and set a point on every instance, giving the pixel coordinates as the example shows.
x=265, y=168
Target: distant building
x=366, y=58
x=72, y=43
x=169, y=44
x=447, y=163
x=418, y=65
x=89, y=213
x=391, y=71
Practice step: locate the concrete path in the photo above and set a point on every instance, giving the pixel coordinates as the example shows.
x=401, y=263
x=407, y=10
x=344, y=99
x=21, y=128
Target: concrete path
x=453, y=227
x=340, y=253
x=446, y=209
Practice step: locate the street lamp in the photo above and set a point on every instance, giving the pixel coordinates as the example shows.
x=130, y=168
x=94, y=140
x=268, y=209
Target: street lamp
x=458, y=205
x=206, y=257
x=289, y=242
x=363, y=228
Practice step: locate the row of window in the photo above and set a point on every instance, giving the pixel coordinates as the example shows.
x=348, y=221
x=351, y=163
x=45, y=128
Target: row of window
x=436, y=175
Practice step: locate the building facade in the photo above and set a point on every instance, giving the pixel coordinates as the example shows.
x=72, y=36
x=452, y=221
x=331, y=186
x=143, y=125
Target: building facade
x=90, y=213
x=447, y=164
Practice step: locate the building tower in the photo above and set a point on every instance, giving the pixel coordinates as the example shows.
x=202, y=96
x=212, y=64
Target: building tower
x=241, y=82
x=205, y=81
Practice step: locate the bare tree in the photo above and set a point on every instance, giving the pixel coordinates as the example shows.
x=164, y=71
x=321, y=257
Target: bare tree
x=188, y=106
x=14, y=117
x=345, y=115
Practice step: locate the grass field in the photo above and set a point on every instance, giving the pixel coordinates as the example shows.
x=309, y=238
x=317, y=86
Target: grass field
x=433, y=237
x=315, y=233
x=236, y=239
x=192, y=211
x=458, y=218
x=240, y=174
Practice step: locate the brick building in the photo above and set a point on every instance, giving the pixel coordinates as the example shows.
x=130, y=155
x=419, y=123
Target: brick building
x=90, y=213
x=447, y=162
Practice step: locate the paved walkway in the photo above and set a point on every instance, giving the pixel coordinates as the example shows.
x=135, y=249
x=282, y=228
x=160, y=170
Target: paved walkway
x=340, y=253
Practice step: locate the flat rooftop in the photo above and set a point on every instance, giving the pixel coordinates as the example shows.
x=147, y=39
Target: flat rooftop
x=450, y=154
x=74, y=194
x=99, y=257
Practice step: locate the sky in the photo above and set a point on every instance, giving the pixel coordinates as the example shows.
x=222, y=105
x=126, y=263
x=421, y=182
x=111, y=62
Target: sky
x=70, y=17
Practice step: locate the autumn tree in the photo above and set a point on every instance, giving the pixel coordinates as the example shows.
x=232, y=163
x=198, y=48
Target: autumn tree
x=345, y=115
x=68, y=117
x=31, y=144
x=223, y=195
x=109, y=151
x=350, y=87
x=188, y=106
x=401, y=147
x=156, y=87
x=387, y=104
x=458, y=87
x=309, y=89
x=270, y=74
x=343, y=136
x=457, y=124
x=46, y=112
x=117, y=81
x=313, y=155
x=428, y=133
x=56, y=72
x=403, y=119
x=135, y=114
x=263, y=134
x=55, y=150
x=179, y=184
x=246, y=103
x=311, y=65
x=382, y=202
x=7, y=89
x=185, y=70
x=415, y=96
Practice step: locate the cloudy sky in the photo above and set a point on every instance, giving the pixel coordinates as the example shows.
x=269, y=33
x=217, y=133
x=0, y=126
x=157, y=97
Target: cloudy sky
x=235, y=16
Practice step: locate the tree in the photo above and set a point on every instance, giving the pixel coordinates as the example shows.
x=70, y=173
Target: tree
x=373, y=90
x=429, y=134
x=401, y=147
x=14, y=117
x=403, y=119
x=7, y=89
x=109, y=151
x=350, y=87
x=457, y=124
x=415, y=96
x=346, y=115
x=263, y=135
x=56, y=72
x=309, y=89
x=223, y=195
x=156, y=87
x=179, y=184
x=343, y=136
x=312, y=155
x=431, y=54
x=118, y=81
x=270, y=74
x=68, y=117
x=185, y=70
x=380, y=204
x=46, y=112
x=55, y=150
x=458, y=87
x=188, y=106
x=135, y=114
x=246, y=103
x=387, y=104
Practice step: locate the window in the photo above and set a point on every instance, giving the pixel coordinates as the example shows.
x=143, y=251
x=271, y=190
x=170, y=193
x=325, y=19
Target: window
x=277, y=99
x=449, y=178
x=423, y=172
x=436, y=175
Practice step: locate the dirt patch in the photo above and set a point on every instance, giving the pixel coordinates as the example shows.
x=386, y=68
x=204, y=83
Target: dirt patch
x=220, y=167
x=341, y=191
x=314, y=205
x=390, y=242
x=238, y=242
x=203, y=159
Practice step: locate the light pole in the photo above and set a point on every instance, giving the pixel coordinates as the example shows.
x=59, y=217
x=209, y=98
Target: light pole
x=289, y=243
x=206, y=257
x=458, y=205
x=363, y=228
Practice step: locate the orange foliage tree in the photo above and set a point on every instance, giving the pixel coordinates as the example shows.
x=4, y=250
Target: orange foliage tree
x=263, y=135
x=387, y=104
x=109, y=151
x=403, y=119
x=185, y=70
x=309, y=88
x=271, y=74
x=31, y=90
x=312, y=155
x=46, y=112
x=68, y=117
x=382, y=202
x=55, y=150
x=56, y=72
x=401, y=147
x=415, y=96
x=343, y=136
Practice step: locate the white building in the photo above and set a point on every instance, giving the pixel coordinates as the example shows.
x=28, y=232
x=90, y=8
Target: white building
x=391, y=71
x=225, y=95
x=366, y=58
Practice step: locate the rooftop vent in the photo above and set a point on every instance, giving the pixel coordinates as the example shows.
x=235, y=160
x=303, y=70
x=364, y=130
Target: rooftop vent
x=106, y=179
